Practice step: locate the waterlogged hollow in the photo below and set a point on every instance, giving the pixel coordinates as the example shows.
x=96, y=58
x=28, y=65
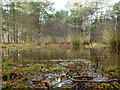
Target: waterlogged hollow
x=35, y=55
x=33, y=67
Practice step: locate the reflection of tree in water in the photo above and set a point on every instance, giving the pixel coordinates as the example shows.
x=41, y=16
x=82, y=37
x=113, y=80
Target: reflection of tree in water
x=36, y=55
x=80, y=53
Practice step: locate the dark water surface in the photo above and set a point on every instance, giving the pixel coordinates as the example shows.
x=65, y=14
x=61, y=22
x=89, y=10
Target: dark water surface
x=102, y=56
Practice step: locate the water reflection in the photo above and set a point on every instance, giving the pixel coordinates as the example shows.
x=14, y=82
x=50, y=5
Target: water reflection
x=102, y=56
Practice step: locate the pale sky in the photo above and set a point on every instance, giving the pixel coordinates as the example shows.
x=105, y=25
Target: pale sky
x=60, y=4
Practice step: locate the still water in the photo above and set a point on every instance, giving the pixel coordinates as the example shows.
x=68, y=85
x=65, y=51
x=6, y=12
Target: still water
x=102, y=56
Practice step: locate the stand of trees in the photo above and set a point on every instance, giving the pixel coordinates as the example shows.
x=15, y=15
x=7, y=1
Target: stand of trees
x=38, y=22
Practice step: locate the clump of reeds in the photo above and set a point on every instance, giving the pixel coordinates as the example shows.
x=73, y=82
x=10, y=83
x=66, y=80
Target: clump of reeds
x=75, y=41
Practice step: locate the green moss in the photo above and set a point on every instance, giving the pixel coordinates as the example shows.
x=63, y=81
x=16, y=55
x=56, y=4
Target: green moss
x=39, y=65
x=58, y=69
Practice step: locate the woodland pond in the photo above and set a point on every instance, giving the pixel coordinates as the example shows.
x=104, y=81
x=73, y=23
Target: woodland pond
x=75, y=46
x=33, y=66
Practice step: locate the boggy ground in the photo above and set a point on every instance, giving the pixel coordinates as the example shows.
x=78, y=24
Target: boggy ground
x=55, y=74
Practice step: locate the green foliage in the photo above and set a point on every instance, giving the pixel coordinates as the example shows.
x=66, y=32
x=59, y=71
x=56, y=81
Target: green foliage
x=116, y=8
x=62, y=15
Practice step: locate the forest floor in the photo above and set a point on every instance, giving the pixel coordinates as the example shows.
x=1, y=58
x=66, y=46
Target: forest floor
x=35, y=75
